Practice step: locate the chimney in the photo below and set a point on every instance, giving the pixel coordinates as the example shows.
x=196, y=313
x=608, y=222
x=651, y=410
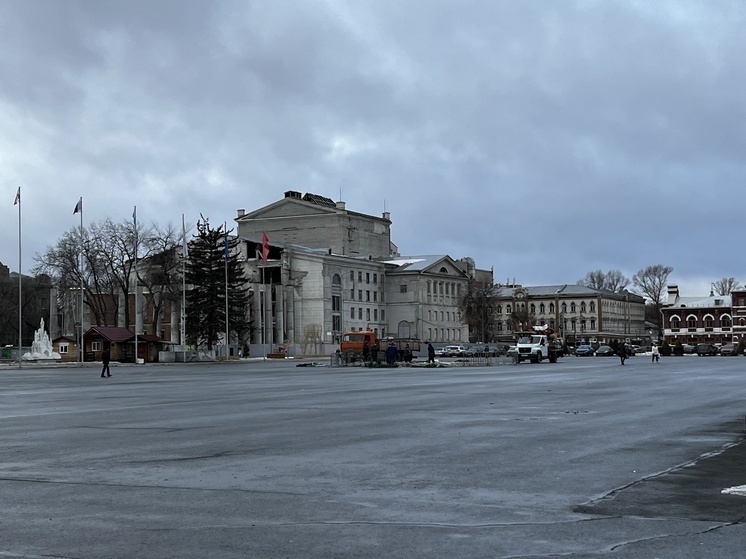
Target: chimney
x=340, y=205
x=673, y=293
x=387, y=216
x=241, y=212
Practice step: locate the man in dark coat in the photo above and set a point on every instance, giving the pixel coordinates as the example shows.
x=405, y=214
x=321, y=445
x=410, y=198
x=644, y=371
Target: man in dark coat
x=622, y=352
x=106, y=357
x=430, y=353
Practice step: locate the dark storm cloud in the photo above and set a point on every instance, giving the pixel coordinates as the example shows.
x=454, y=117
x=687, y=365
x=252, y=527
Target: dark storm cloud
x=546, y=139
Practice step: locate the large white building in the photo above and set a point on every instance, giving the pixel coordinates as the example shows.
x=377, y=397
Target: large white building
x=331, y=270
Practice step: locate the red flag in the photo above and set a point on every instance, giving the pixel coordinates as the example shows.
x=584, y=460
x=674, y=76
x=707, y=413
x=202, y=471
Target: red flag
x=265, y=247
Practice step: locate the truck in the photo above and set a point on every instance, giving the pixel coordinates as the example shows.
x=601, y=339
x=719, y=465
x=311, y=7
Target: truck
x=542, y=344
x=353, y=345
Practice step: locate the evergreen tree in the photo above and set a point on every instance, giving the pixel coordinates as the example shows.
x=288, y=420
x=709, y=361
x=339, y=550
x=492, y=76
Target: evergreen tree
x=206, y=275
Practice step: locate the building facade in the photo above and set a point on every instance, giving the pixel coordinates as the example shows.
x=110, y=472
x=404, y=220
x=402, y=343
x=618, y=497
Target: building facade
x=712, y=319
x=579, y=314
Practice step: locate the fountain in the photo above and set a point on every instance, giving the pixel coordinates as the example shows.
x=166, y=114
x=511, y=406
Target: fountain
x=42, y=346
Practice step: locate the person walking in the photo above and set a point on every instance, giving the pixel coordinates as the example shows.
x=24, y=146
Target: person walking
x=622, y=352
x=391, y=352
x=106, y=357
x=656, y=354
x=430, y=353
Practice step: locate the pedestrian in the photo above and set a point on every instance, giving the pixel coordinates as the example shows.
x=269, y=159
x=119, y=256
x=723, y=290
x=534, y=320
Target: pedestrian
x=106, y=357
x=656, y=354
x=407, y=354
x=622, y=352
x=366, y=351
x=391, y=352
x=374, y=353
x=430, y=353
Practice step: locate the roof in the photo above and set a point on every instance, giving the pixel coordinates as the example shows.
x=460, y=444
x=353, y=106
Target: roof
x=701, y=302
x=112, y=333
x=151, y=338
x=560, y=290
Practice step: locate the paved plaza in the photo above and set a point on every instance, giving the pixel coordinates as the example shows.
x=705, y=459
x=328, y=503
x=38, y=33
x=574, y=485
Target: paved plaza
x=260, y=459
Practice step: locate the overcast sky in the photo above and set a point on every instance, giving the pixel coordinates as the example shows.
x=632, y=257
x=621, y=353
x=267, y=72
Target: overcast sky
x=545, y=139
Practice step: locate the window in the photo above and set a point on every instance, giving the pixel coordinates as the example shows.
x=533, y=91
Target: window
x=582, y=306
x=336, y=323
x=352, y=293
x=335, y=303
x=593, y=323
x=429, y=287
x=360, y=313
x=691, y=321
x=95, y=346
x=383, y=315
x=403, y=288
x=375, y=314
x=359, y=294
x=572, y=307
x=532, y=308
x=709, y=322
x=725, y=321
x=499, y=309
x=367, y=296
x=375, y=278
x=564, y=307
x=360, y=277
x=352, y=275
x=542, y=308
x=508, y=309
x=440, y=286
x=336, y=280
x=367, y=314
x=593, y=306
x=375, y=296
x=64, y=348
x=551, y=308
x=447, y=288
x=367, y=277
x=352, y=313
x=675, y=322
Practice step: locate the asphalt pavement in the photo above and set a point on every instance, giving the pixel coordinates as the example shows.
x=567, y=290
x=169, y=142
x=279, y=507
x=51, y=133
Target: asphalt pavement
x=584, y=458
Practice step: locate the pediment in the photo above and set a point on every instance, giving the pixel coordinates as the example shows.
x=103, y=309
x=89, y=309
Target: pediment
x=288, y=207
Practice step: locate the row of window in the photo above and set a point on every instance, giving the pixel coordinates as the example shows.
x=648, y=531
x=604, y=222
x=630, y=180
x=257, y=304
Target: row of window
x=590, y=307
x=571, y=325
x=444, y=334
x=442, y=288
x=367, y=314
x=708, y=321
x=368, y=276
x=444, y=315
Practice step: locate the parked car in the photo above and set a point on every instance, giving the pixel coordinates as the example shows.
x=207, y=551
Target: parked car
x=584, y=351
x=454, y=351
x=688, y=348
x=728, y=349
x=501, y=348
x=605, y=351
x=705, y=349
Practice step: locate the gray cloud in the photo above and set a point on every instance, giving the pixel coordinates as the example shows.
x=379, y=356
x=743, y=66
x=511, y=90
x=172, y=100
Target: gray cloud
x=546, y=139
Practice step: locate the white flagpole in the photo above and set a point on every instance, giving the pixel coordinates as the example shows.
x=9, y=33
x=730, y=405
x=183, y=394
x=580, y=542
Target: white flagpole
x=225, y=227
x=184, y=254
x=134, y=220
x=20, y=275
x=79, y=208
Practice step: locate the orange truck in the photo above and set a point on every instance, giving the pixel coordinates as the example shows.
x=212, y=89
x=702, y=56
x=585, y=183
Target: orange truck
x=353, y=342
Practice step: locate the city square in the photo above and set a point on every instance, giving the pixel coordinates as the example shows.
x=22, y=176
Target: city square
x=254, y=458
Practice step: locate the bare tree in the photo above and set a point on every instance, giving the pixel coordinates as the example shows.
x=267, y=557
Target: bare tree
x=725, y=286
x=613, y=280
x=651, y=283
x=159, y=271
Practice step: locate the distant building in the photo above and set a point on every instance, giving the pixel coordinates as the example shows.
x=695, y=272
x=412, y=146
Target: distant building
x=579, y=314
x=698, y=319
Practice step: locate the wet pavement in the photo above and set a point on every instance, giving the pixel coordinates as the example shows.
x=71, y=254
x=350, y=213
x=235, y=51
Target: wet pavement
x=583, y=458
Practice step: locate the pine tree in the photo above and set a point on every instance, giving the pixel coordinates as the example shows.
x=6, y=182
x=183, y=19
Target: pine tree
x=206, y=274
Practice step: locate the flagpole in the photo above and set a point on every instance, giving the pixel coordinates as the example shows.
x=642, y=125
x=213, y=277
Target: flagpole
x=184, y=253
x=20, y=275
x=225, y=226
x=134, y=219
x=79, y=208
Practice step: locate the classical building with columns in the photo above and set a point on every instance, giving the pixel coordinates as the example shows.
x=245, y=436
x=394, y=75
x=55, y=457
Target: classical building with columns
x=330, y=270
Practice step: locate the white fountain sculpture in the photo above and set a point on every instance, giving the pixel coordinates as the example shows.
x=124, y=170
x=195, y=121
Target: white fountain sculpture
x=42, y=346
